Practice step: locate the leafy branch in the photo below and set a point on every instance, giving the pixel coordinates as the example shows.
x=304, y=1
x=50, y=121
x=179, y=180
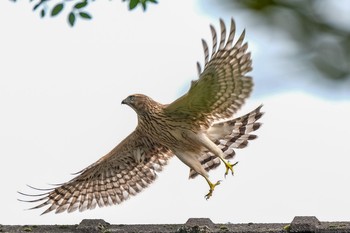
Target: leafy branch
x=78, y=8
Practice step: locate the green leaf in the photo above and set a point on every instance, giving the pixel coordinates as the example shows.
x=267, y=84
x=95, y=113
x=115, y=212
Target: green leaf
x=36, y=6
x=80, y=5
x=133, y=4
x=57, y=9
x=85, y=15
x=71, y=19
x=153, y=1
x=42, y=13
x=144, y=5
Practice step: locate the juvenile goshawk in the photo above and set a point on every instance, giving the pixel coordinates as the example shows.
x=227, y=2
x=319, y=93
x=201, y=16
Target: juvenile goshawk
x=198, y=128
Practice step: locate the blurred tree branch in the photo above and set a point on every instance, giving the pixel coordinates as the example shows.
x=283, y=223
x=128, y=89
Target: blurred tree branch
x=324, y=43
x=77, y=8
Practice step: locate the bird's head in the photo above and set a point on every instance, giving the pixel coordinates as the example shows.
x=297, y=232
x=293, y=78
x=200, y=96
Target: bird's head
x=140, y=103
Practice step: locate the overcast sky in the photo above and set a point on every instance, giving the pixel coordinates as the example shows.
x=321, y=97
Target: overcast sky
x=60, y=94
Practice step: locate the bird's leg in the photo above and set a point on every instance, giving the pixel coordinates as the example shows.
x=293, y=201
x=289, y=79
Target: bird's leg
x=211, y=146
x=211, y=188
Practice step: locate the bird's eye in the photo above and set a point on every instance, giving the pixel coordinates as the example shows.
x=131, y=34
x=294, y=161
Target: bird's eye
x=132, y=98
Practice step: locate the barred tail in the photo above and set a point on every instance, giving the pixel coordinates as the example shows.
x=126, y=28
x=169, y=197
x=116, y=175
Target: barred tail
x=228, y=135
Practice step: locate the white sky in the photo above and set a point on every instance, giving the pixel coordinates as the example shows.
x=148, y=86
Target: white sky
x=60, y=94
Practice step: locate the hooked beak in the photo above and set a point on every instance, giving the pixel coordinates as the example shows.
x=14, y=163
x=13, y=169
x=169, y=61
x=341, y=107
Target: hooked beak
x=124, y=101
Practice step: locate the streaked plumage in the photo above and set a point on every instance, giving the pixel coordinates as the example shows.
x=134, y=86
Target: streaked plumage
x=198, y=128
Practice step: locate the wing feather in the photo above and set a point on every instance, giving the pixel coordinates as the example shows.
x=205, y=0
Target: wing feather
x=222, y=86
x=109, y=181
x=214, y=39
x=231, y=35
x=223, y=34
x=206, y=51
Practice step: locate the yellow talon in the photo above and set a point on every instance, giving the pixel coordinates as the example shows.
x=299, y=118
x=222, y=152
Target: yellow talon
x=211, y=190
x=229, y=166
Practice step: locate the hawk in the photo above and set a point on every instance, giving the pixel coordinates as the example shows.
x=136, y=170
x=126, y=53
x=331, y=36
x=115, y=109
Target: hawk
x=198, y=128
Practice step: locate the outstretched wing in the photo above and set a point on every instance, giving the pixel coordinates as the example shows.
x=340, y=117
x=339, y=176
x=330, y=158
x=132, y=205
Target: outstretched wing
x=222, y=87
x=126, y=170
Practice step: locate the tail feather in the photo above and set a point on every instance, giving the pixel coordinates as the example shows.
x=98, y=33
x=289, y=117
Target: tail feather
x=230, y=135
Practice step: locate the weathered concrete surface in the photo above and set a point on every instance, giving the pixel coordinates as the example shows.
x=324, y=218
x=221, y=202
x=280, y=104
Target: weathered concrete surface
x=193, y=225
x=304, y=224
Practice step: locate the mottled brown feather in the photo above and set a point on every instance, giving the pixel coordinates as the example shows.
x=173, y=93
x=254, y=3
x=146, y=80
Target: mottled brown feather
x=222, y=87
x=110, y=180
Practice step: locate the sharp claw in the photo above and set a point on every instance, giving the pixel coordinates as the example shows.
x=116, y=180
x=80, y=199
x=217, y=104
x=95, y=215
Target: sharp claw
x=208, y=195
x=212, y=187
x=229, y=166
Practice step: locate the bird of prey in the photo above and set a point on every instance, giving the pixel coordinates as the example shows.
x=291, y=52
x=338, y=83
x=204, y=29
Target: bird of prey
x=199, y=128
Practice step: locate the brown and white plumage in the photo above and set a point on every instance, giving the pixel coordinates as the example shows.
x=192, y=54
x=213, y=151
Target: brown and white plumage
x=126, y=170
x=198, y=128
x=230, y=135
x=222, y=86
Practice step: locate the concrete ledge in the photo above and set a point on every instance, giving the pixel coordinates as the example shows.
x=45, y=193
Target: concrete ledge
x=92, y=225
x=304, y=224
x=192, y=222
x=193, y=225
